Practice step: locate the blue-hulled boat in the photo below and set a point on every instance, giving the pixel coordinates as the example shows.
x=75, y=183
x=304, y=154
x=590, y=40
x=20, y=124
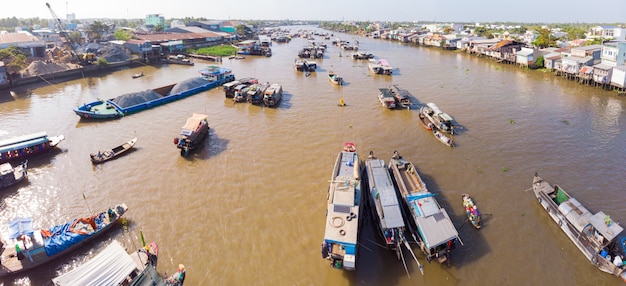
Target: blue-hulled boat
x=343, y=212
x=130, y=103
x=23, y=147
x=28, y=248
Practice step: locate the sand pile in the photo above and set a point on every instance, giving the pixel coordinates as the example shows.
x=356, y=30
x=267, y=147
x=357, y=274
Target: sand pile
x=40, y=68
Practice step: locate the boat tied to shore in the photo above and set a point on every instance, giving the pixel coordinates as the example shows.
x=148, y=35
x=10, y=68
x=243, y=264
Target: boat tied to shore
x=10, y=175
x=134, y=102
x=106, y=155
x=231, y=87
x=192, y=134
x=344, y=210
x=435, y=234
x=28, y=248
x=597, y=236
x=23, y=147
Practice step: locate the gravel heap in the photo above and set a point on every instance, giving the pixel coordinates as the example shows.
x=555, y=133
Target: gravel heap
x=188, y=84
x=135, y=98
x=40, y=68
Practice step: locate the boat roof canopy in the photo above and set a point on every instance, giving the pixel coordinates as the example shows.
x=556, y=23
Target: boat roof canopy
x=23, y=141
x=605, y=225
x=436, y=229
x=110, y=267
x=194, y=121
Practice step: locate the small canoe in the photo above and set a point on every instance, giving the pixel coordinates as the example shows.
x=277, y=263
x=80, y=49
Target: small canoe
x=443, y=138
x=471, y=210
x=425, y=123
x=138, y=75
x=102, y=157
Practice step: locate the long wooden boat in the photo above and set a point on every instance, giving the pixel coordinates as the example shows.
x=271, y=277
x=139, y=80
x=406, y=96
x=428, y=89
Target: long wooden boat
x=272, y=95
x=138, y=75
x=28, y=248
x=113, y=266
x=597, y=236
x=254, y=92
x=471, y=210
x=335, y=78
x=192, y=134
x=230, y=87
x=425, y=122
x=380, y=66
x=110, y=154
x=130, y=103
x=443, y=138
x=386, y=208
x=10, y=175
x=436, y=235
x=439, y=119
x=386, y=98
x=344, y=211
x=403, y=97
x=23, y=147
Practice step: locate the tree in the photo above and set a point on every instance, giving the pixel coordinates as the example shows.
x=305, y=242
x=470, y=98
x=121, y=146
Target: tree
x=96, y=30
x=75, y=37
x=158, y=28
x=544, y=39
x=14, y=59
x=122, y=34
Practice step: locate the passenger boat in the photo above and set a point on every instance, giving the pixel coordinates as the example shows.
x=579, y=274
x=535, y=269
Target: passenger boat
x=10, y=175
x=130, y=103
x=471, y=210
x=114, y=266
x=192, y=134
x=380, y=66
x=29, y=248
x=362, y=56
x=343, y=211
x=597, y=236
x=107, y=155
x=439, y=119
x=436, y=235
x=230, y=87
x=272, y=95
x=402, y=96
x=23, y=147
x=335, y=78
x=386, y=98
x=443, y=138
x=386, y=208
x=255, y=92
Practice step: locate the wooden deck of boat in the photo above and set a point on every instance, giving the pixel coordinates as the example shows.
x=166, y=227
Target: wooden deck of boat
x=344, y=197
x=103, y=108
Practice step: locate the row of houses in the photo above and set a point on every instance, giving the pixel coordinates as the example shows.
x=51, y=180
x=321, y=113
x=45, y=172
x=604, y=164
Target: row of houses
x=598, y=65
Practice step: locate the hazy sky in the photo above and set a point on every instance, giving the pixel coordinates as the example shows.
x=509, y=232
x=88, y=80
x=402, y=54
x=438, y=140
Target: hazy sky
x=528, y=11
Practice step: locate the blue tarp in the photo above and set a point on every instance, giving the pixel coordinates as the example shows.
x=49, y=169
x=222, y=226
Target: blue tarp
x=411, y=198
x=63, y=238
x=20, y=226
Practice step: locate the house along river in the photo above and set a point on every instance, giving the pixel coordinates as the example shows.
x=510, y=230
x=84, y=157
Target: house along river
x=248, y=208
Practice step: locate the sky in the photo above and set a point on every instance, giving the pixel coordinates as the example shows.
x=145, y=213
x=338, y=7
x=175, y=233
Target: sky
x=483, y=11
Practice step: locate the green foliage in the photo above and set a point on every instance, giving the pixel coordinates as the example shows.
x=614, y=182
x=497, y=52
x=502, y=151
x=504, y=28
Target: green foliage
x=220, y=51
x=544, y=39
x=97, y=29
x=540, y=62
x=13, y=58
x=75, y=37
x=575, y=32
x=123, y=35
x=103, y=62
x=158, y=28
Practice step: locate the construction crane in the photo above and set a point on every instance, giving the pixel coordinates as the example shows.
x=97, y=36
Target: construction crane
x=75, y=57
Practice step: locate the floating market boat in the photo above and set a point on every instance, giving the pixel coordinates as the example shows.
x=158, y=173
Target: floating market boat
x=272, y=95
x=230, y=87
x=597, y=236
x=254, y=93
x=135, y=102
x=471, y=210
x=403, y=97
x=386, y=98
x=110, y=154
x=435, y=233
x=343, y=211
x=335, y=78
x=192, y=134
x=29, y=248
x=10, y=175
x=23, y=147
x=442, y=137
x=380, y=66
x=439, y=119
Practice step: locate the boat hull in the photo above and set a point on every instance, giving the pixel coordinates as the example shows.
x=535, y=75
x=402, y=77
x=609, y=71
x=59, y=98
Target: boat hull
x=111, y=154
x=21, y=148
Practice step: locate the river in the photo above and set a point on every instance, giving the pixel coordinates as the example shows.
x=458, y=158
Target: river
x=249, y=207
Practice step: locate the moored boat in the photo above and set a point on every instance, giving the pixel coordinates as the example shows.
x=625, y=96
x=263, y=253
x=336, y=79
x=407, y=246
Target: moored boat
x=439, y=119
x=362, y=56
x=23, y=147
x=425, y=122
x=130, y=103
x=343, y=211
x=29, y=248
x=380, y=66
x=273, y=94
x=335, y=78
x=386, y=208
x=137, y=75
x=386, y=98
x=192, y=134
x=403, y=97
x=113, y=266
x=443, y=138
x=437, y=236
x=254, y=93
x=471, y=210
x=231, y=87
x=103, y=156
x=597, y=236
x=10, y=175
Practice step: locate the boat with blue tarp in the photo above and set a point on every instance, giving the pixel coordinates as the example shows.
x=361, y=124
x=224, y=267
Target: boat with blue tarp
x=598, y=237
x=130, y=103
x=22, y=147
x=28, y=248
x=343, y=211
x=435, y=233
